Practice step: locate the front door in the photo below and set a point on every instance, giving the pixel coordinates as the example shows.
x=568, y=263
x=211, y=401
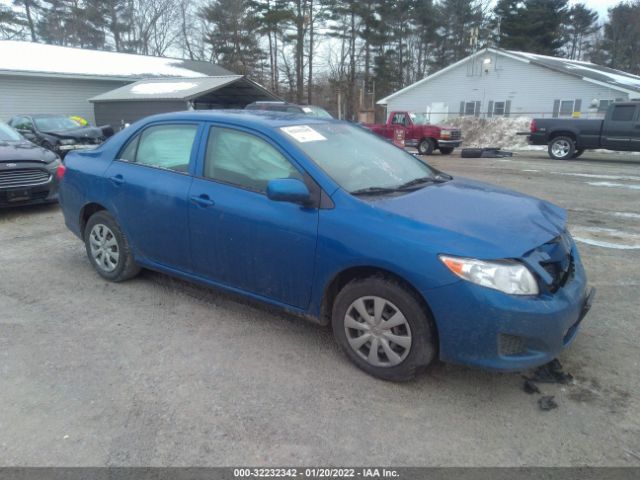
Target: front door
x=620, y=127
x=241, y=238
x=149, y=186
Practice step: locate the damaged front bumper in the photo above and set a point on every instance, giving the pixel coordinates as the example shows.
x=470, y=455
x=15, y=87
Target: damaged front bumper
x=509, y=332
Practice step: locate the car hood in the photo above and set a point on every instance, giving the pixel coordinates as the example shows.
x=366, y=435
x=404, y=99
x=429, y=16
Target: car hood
x=468, y=218
x=13, y=152
x=77, y=133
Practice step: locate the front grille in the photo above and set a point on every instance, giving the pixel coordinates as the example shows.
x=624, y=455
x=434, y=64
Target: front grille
x=553, y=262
x=456, y=134
x=91, y=141
x=23, y=178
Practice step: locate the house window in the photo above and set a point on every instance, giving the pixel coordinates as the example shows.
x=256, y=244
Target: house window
x=470, y=108
x=603, y=106
x=498, y=108
x=566, y=108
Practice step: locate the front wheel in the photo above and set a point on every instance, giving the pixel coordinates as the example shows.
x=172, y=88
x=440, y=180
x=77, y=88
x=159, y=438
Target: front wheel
x=446, y=150
x=426, y=146
x=562, y=148
x=108, y=249
x=383, y=328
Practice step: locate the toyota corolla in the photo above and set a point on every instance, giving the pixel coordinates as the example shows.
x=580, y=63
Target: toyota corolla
x=406, y=263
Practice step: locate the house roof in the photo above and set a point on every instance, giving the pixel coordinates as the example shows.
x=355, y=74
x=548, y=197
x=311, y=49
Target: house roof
x=37, y=59
x=184, y=89
x=587, y=71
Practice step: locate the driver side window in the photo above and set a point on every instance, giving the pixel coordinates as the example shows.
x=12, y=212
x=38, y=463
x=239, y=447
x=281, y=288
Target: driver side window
x=22, y=123
x=242, y=159
x=398, y=119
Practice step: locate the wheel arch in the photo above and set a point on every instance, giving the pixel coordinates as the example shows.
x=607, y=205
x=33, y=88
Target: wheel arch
x=86, y=212
x=563, y=133
x=345, y=276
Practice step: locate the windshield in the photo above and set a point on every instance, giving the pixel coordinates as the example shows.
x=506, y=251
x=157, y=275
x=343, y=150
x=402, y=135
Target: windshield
x=419, y=118
x=8, y=134
x=355, y=158
x=317, y=112
x=50, y=124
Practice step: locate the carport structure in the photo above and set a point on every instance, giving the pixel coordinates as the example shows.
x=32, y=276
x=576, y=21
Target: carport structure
x=148, y=97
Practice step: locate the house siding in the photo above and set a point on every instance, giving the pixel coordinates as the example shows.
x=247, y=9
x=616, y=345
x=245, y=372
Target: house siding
x=22, y=94
x=530, y=89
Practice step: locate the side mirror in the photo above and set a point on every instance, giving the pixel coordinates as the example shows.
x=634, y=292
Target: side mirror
x=288, y=190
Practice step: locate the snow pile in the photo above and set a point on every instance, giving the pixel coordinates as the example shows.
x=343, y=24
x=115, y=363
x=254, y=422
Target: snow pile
x=155, y=88
x=37, y=57
x=494, y=132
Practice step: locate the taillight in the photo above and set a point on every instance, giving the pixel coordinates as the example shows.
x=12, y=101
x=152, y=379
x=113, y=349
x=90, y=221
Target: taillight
x=534, y=126
x=60, y=171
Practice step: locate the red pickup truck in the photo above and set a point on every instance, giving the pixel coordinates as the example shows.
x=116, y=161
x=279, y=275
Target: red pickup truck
x=419, y=133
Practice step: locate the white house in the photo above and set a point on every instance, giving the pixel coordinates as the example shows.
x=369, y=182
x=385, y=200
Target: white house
x=494, y=82
x=39, y=78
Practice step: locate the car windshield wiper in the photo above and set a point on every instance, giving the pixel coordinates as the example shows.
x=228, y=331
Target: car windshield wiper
x=439, y=178
x=415, y=182
x=374, y=191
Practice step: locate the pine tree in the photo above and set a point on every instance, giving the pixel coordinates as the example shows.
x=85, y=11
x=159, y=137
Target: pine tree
x=582, y=24
x=232, y=25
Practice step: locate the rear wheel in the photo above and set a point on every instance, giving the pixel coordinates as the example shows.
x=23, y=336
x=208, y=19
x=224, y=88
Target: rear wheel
x=426, y=146
x=108, y=249
x=562, y=148
x=446, y=150
x=578, y=152
x=383, y=328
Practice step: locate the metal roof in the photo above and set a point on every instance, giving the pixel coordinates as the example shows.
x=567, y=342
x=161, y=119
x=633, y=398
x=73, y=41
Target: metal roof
x=181, y=89
x=37, y=59
x=587, y=71
x=584, y=70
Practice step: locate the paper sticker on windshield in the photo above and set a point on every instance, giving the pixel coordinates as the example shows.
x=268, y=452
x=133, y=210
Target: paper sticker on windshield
x=303, y=133
x=307, y=110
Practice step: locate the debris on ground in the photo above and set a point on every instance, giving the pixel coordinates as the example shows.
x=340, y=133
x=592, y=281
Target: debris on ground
x=551, y=373
x=530, y=387
x=547, y=403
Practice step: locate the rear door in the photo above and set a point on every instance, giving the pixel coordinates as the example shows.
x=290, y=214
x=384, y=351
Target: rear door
x=241, y=238
x=149, y=186
x=620, y=127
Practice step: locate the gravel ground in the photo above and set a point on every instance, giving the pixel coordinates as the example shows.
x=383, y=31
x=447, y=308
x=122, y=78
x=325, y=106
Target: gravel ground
x=159, y=372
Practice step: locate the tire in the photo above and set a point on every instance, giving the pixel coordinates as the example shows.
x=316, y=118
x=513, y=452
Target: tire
x=103, y=239
x=471, y=153
x=416, y=332
x=426, y=146
x=446, y=150
x=579, y=151
x=562, y=148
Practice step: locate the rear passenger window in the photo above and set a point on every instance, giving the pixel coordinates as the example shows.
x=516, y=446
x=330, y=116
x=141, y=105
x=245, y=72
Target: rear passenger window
x=162, y=146
x=244, y=160
x=623, y=113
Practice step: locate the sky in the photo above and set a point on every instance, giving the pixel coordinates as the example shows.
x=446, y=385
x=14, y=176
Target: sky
x=600, y=6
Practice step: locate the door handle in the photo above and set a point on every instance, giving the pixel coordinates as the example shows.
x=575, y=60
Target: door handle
x=203, y=200
x=117, y=180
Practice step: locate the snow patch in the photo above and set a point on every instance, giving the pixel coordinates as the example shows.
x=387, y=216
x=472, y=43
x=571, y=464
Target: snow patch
x=614, y=185
x=495, y=132
x=593, y=175
x=37, y=57
x=606, y=237
x=620, y=78
x=155, y=88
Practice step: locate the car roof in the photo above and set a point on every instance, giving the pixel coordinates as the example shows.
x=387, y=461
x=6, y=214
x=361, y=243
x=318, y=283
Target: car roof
x=250, y=118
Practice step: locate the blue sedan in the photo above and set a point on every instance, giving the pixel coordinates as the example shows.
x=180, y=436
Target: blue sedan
x=323, y=219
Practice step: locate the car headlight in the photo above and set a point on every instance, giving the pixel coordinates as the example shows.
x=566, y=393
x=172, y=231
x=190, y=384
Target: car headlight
x=67, y=141
x=505, y=275
x=445, y=133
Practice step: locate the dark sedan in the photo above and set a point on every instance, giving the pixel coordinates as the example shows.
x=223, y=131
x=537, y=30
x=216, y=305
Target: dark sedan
x=57, y=132
x=27, y=171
